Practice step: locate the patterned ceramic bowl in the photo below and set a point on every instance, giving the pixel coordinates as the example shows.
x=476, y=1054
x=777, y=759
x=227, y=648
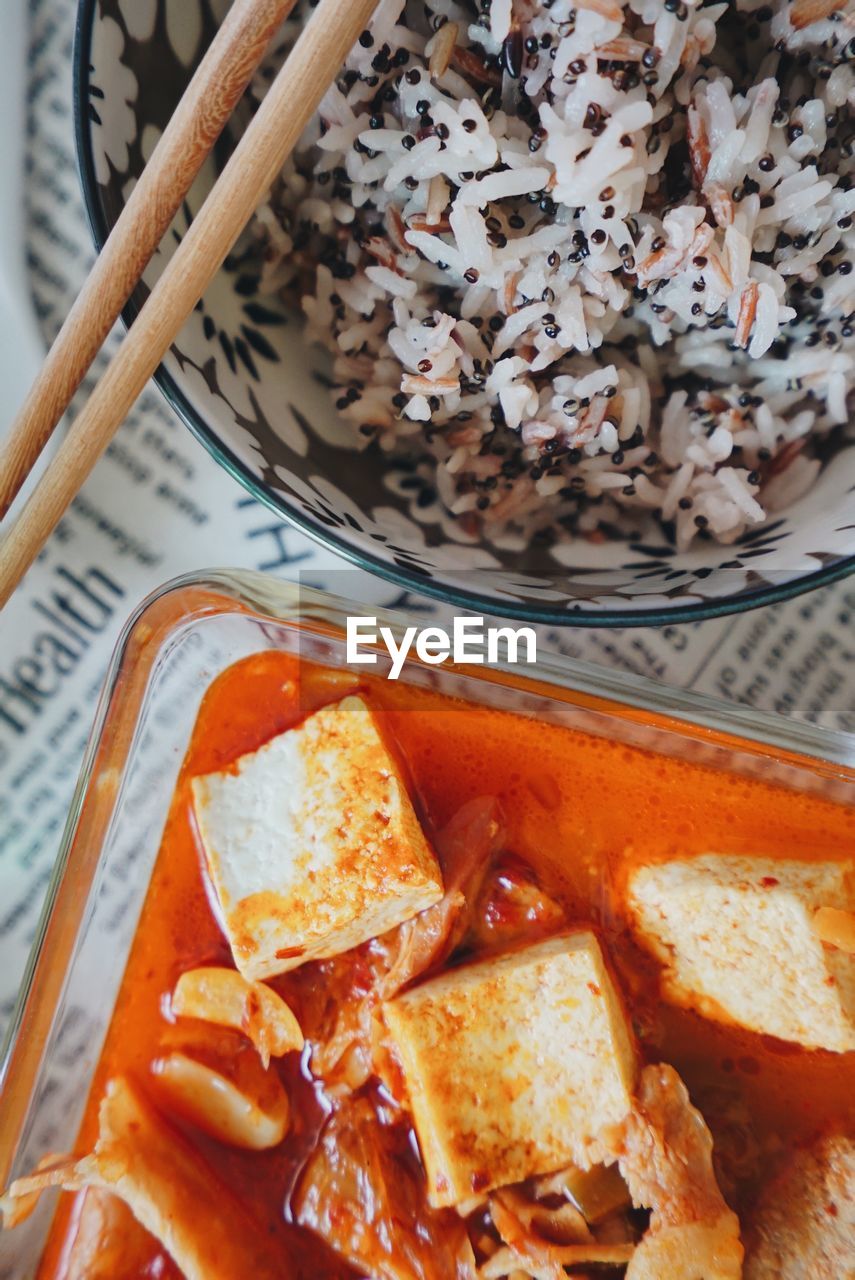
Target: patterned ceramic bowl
x=246, y=383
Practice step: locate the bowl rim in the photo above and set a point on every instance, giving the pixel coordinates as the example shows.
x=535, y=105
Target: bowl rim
x=408, y=580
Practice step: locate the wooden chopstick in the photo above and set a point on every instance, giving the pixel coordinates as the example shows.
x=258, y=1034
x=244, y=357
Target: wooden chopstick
x=290, y=103
x=210, y=98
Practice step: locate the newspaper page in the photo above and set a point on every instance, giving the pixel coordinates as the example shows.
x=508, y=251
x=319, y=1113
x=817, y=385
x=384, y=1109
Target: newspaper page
x=157, y=505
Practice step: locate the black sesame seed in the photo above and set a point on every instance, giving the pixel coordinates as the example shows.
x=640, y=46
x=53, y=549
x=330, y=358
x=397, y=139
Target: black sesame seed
x=366, y=39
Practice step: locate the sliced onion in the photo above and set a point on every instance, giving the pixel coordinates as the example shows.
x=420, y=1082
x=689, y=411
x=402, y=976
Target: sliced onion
x=224, y=997
x=253, y=1114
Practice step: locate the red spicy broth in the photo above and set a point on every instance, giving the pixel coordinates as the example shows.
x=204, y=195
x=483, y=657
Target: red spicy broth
x=578, y=812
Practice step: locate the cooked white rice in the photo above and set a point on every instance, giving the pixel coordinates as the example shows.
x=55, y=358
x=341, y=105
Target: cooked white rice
x=594, y=258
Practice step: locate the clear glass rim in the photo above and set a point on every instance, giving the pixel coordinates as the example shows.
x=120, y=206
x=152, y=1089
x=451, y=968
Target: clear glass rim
x=195, y=596
x=276, y=597
x=773, y=593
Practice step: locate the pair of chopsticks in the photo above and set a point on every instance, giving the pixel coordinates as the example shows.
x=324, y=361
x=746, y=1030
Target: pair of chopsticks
x=202, y=114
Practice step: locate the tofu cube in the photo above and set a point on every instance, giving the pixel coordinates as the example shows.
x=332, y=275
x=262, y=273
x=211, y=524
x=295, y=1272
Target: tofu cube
x=312, y=843
x=514, y=1065
x=740, y=942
